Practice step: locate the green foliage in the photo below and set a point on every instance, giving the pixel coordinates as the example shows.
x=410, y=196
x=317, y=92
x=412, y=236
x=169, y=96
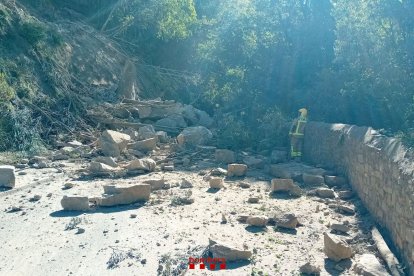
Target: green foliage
x=5, y=20
x=33, y=32
x=7, y=92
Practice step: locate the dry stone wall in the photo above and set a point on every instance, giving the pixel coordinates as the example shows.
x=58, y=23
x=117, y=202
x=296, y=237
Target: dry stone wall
x=379, y=169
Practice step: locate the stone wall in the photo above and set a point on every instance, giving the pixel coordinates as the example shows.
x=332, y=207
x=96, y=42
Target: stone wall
x=379, y=169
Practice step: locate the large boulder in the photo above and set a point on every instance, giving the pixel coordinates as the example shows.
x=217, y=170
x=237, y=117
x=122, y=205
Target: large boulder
x=145, y=145
x=368, y=265
x=112, y=143
x=224, y=156
x=229, y=253
x=115, y=195
x=7, y=176
x=335, y=248
x=236, y=170
x=145, y=164
x=75, y=203
x=194, y=136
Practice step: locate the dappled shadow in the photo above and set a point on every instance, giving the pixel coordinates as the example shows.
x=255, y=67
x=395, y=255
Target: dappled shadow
x=333, y=268
x=101, y=210
x=255, y=229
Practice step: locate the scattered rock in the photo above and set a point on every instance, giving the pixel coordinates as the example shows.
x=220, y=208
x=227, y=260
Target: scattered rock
x=218, y=172
x=342, y=228
x=172, y=122
x=288, y=221
x=156, y=184
x=116, y=195
x=278, y=156
x=100, y=168
x=368, y=265
x=133, y=216
x=185, y=184
x=80, y=231
x=7, y=176
x=244, y=185
x=253, y=162
x=229, y=253
x=312, y=180
x=112, y=143
x=162, y=136
x=332, y=181
x=236, y=170
x=310, y=269
x=41, y=165
x=286, y=185
x=60, y=156
x=345, y=195
x=335, y=248
x=145, y=164
x=14, y=209
x=144, y=145
x=242, y=218
x=35, y=198
x=325, y=193
x=253, y=200
x=168, y=168
x=223, y=219
x=68, y=186
x=147, y=132
x=224, y=156
x=107, y=160
x=346, y=209
x=216, y=183
x=75, y=203
x=259, y=221
x=194, y=136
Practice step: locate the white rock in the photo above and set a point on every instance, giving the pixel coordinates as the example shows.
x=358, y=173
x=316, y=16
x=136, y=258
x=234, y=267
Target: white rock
x=224, y=156
x=259, y=221
x=112, y=143
x=221, y=250
x=116, y=195
x=368, y=265
x=75, y=203
x=145, y=164
x=335, y=248
x=216, y=183
x=236, y=170
x=7, y=176
x=194, y=136
x=145, y=145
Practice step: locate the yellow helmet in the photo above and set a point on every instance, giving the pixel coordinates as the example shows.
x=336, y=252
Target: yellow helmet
x=303, y=112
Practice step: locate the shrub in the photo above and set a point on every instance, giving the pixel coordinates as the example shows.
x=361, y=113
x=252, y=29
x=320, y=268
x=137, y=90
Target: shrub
x=33, y=32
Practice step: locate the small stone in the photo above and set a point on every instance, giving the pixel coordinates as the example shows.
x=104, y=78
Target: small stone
x=253, y=200
x=259, y=221
x=143, y=261
x=332, y=181
x=346, y=209
x=218, y=172
x=35, y=198
x=345, y=195
x=310, y=179
x=168, y=168
x=310, y=269
x=80, y=231
x=223, y=219
x=185, y=184
x=49, y=195
x=230, y=253
x=340, y=227
x=133, y=216
x=236, y=170
x=216, y=183
x=244, y=185
x=68, y=186
x=224, y=156
x=288, y=221
x=325, y=193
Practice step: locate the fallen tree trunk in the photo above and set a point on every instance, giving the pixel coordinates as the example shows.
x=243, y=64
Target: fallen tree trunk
x=387, y=255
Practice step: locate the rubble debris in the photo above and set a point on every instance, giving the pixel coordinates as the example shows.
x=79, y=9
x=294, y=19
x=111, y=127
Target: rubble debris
x=112, y=143
x=75, y=203
x=236, y=170
x=335, y=248
x=147, y=132
x=313, y=180
x=216, y=183
x=117, y=195
x=156, y=184
x=101, y=169
x=287, y=221
x=7, y=176
x=107, y=160
x=340, y=227
x=310, y=269
x=194, y=136
x=221, y=250
x=369, y=265
x=259, y=221
x=144, y=145
x=325, y=193
x=145, y=164
x=333, y=181
x=224, y=156
x=286, y=185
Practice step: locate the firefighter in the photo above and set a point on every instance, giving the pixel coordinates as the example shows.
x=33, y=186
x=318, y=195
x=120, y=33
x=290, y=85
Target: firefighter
x=296, y=133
